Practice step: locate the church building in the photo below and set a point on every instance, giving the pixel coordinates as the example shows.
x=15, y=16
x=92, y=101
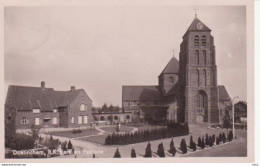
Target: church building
x=187, y=88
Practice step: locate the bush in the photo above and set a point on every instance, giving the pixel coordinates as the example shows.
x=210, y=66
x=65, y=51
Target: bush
x=191, y=141
x=117, y=154
x=133, y=154
x=183, y=146
x=52, y=143
x=210, y=141
x=148, y=151
x=160, y=150
x=172, y=130
x=230, y=136
x=64, y=146
x=76, y=131
x=21, y=142
x=220, y=137
x=172, y=148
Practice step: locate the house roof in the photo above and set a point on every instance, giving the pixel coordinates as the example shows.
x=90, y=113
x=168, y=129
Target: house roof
x=46, y=99
x=171, y=67
x=144, y=93
x=223, y=94
x=197, y=25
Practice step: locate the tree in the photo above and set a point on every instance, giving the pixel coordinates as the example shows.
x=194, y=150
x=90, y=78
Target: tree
x=104, y=108
x=117, y=154
x=191, y=141
x=64, y=146
x=35, y=132
x=160, y=150
x=183, y=146
x=172, y=148
x=133, y=154
x=148, y=151
x=220, y=137
x=226, y=121
x=70, y=145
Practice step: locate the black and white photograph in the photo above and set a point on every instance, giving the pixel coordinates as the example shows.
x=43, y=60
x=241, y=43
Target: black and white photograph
x=130, y=81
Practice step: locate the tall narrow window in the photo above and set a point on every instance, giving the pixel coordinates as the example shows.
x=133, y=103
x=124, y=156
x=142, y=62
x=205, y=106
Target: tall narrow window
x=203, y=41
x=196, y=40
x=85, y=119
x=24, y=120
x=79, y=119
x=204, y=57
x=205, y=77
x=197, y=57
x=37, y=121
x=82, y=107
x=198, y=77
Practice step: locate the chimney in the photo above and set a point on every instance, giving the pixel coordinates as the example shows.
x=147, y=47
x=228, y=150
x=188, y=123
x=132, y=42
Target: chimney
x=42, y=84
x=72, y=88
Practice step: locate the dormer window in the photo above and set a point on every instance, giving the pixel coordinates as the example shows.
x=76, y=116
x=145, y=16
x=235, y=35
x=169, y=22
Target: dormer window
x=36, y=110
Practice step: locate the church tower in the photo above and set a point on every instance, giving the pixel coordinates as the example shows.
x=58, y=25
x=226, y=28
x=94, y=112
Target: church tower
x=198, y=99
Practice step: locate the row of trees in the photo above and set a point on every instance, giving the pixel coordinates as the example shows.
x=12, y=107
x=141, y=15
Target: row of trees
x=202, y=143
x=148, y=135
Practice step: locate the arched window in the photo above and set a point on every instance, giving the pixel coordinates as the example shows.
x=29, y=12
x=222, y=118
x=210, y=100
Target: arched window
x=203, y=41
x=198, y=77
x=205, y=77
x=197, y=57
x=204, y=54
x=196, y=40
x=171, y=80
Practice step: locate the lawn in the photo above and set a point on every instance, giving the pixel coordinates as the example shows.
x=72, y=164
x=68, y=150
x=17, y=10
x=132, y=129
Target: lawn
x=69, y=134
x=112, y=129
x=99, y=139
x=144, y=126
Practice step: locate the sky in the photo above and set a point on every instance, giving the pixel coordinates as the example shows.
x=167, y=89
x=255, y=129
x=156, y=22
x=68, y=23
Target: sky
x=101, y=48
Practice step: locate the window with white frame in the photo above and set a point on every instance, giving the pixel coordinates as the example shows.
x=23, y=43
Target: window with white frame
x=82, y=107
x=54, y=120
x=85, y=119
x=72, y=120
x=37, y=121
x=80, y=120
x=36, y=111
x=24, y=120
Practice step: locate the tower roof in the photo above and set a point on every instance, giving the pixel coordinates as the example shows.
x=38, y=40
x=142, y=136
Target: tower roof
x=171, y=67
x=197, y=25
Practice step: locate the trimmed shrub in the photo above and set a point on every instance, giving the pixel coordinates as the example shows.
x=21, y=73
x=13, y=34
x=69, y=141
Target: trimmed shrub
x=160, y=150
x=207, y=140
x=183, y=146
x=199, y=142
x=117, y=154
x=21, y=142
x=230, y=136
x=191, y=141
x=217, y=141
x=133, y=154
x=220, y=137
x=224, y=137
x=148, y=150
x=203, y=143
x=210, y=141
x=70, y=145
x=172, y=148
x=64, y=146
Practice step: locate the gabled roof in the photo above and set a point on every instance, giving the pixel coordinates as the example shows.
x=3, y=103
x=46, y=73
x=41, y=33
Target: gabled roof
x=222, y=92
x=171, y=67
x=46, y=99
x=197, y=25
x=144, y=93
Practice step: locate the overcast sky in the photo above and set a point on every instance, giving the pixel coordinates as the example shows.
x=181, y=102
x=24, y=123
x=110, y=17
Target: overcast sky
x=101, y=48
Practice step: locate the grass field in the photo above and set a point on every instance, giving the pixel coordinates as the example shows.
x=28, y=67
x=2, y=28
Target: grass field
x=99, y=139
x=69, y=134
